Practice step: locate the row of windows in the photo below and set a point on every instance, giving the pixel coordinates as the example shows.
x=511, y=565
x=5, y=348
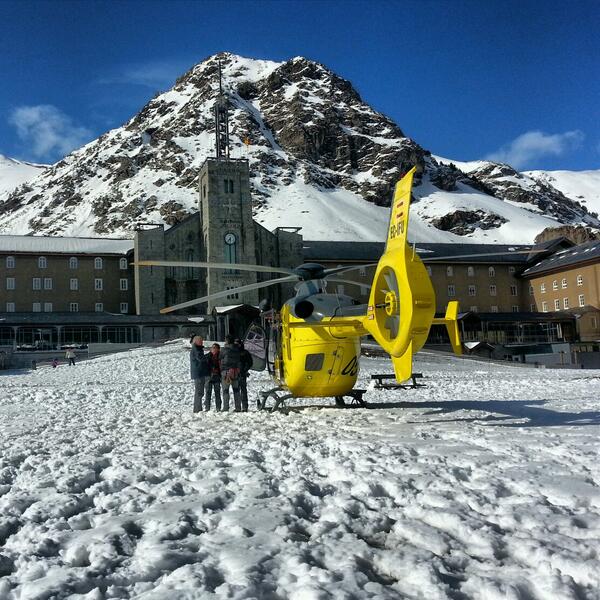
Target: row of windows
x=473, y=290
x=73, y=263
x=73, y=307
x=494, y=309
x=563, y=284
x=565, y=303
x=47, y=283
x=471, y=271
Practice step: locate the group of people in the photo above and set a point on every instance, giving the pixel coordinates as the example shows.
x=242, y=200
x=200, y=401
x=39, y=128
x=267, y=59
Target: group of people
x=220, y=369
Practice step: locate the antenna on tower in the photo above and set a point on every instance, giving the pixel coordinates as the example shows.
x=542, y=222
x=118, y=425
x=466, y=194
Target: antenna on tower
x=221, y=120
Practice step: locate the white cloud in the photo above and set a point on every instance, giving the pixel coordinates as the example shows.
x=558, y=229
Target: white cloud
x=47, y=131
x=153, y=74
x=536, y=144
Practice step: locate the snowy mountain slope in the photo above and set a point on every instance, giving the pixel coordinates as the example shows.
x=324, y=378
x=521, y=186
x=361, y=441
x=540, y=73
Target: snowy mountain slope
x=320, y=158
x=484, y=485
x=14, y=173
x=583, y=186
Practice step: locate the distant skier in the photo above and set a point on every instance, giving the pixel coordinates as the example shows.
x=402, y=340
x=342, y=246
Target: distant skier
x=70, y=356
x=245, y=365
x=230, y=373
x=199, y=370
x=213, y=381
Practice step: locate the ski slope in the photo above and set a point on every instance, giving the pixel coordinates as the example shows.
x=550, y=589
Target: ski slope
x=482, y=485
x=14, y=172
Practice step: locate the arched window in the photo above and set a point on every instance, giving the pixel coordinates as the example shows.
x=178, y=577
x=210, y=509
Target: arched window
x=449, y=271
x=42, y=262
x=123, y=263
x=470, y=271
x=97, y=263
x=73, y=262
x=492, y=272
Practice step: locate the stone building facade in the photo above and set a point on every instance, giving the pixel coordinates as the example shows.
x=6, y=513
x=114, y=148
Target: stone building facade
x=221, y=232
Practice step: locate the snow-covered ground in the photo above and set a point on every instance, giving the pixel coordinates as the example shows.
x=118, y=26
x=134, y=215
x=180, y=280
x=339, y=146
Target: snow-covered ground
x=484, y=485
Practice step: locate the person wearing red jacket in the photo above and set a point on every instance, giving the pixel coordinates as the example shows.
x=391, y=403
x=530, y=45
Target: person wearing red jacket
x=213, y=381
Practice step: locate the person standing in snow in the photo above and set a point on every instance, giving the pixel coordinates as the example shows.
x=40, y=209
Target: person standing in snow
x=230, y=373
x=245, y=365
x=213, y=381
x=70, y=356
x=199, y=370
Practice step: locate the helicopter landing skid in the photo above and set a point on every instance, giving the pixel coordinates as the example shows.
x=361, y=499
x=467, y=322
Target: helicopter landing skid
x=356, y=398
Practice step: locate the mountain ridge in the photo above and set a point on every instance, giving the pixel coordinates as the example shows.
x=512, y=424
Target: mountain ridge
x=320, y=158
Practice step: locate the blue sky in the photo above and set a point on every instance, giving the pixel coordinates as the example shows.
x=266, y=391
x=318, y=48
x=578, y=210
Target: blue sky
x=513, y=80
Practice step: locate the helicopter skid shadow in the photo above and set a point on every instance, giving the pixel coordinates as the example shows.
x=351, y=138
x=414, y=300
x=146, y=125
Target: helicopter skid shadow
x=501, y=413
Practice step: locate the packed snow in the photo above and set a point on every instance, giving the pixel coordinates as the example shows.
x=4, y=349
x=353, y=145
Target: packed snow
x=15, y=172
x=484, y=484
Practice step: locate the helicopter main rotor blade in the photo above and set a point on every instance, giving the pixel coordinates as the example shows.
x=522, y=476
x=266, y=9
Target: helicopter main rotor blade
x=211, y=265
x=436, y=258
x=244, y=288
x=334, y=270
x=349, y=281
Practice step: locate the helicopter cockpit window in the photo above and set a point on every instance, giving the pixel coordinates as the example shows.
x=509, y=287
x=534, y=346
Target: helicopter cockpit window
x=314, y=362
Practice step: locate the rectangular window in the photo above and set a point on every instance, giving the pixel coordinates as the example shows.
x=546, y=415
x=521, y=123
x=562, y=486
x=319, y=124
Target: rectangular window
x=544, y=307
x=10, y=283
x=314, y=362
x=513, y=290
x=543, y=288
x=594, y=322
x=429, y=271
x=470, y=272
x=10, y=262
x=74, y=307
x=98, y=285
x=37, y=307
x=451, y=291
x=340, y=290
x=511, y=270
x=124, y=307
x=557, y=304
x=555, y=285
x=74, y=284
x=493, y=290
x=36, y=283
x=99, y=307
x=472, y=290
x=123, y=285
x=563, y=284
x=579, y=280
x=473, y=308
x=581, y=300
x=10, y=307
x=565, y=303
x=47, y=306
x=47, y=283
x=362, y=271
x=515, y=308
x=494, y=309
x=532, y=307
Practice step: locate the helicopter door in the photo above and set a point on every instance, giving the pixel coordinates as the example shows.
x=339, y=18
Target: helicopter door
x=336, y=363
x=256, y=343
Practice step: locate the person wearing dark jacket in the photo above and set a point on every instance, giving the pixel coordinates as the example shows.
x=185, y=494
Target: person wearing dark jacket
x=230, y=373
x=213, y=381
x=246, y=364
x=199, y=371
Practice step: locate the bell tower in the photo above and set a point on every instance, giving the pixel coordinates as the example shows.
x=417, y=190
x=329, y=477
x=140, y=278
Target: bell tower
x=226, y=213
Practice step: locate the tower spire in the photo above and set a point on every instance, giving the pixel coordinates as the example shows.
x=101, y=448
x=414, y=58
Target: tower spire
x=221, y=120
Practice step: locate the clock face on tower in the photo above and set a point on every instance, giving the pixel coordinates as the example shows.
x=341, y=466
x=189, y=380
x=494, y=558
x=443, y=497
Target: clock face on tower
x=230, y=238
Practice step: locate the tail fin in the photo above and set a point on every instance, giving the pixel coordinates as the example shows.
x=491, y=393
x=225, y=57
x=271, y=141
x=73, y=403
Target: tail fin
x=402, y=300
x=450, y=320
x=403, y=365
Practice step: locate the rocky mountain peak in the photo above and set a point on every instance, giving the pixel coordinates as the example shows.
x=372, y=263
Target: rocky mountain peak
x=320, y=158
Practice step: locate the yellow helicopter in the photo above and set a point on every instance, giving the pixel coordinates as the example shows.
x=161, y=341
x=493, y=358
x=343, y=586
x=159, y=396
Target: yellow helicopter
x=315, y=337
